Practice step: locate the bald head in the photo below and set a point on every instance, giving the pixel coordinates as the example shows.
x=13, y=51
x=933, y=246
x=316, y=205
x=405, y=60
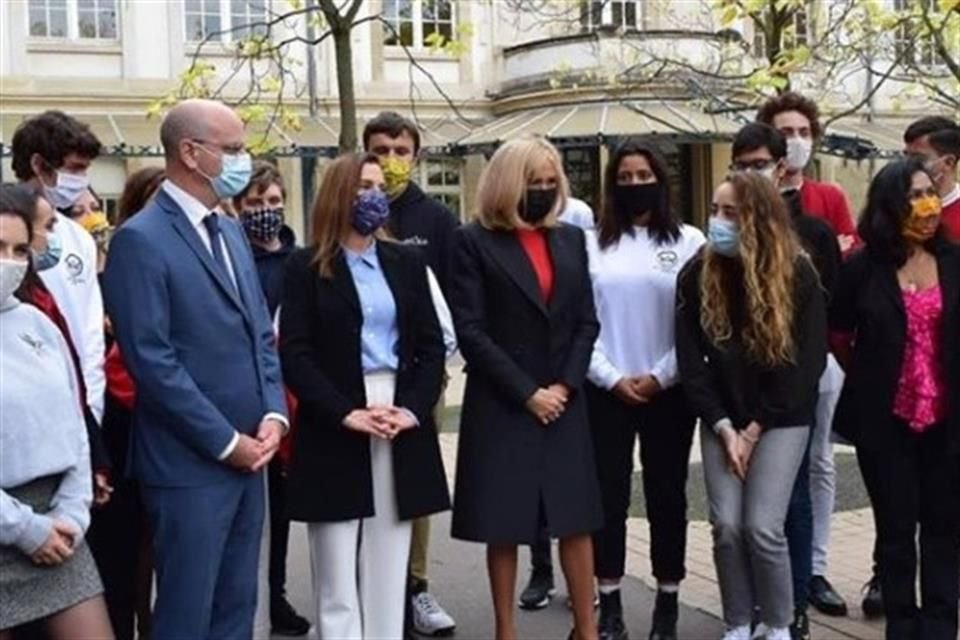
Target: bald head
x=197, y=120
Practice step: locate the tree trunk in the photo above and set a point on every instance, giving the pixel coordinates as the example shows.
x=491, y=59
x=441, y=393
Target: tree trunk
x=348, y=101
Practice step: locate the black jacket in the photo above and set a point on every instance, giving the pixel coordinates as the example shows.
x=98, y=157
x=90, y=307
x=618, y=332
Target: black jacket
x=423, y=221
x=329, y=477
x=723, y=382
x=270, y=267
x=818, y=239
x=868, y=304
x=514, y=474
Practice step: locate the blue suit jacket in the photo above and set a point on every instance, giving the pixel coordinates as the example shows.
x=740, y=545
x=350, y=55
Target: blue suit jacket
x=202, y=354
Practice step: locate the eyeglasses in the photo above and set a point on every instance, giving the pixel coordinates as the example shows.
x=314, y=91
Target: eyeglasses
x=229, y=149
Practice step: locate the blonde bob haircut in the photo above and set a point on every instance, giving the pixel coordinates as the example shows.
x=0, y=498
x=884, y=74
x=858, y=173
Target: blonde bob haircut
x=503, y=183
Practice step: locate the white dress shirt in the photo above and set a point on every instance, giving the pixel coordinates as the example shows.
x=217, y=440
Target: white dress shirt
x=634, y=287
x=196, y=212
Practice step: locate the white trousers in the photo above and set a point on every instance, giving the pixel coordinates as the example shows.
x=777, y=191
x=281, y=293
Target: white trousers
x=823, y=483
x=359, y=567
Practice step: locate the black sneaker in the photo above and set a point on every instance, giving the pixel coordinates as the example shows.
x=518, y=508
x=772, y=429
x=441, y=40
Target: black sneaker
x=665, y=613
x=610, y=626
x=872, y=604
x=539, y=590
x=825, y=598
x=285, y=621
x=800, y=628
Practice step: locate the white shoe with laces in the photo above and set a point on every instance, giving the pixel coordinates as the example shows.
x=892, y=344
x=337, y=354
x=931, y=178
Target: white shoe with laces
x=780, y=633
x=738, y=633
x=429, y=618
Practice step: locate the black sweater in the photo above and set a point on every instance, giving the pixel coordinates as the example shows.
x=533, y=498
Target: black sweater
x=421, y=220
x=724, y=382
x=818, y=239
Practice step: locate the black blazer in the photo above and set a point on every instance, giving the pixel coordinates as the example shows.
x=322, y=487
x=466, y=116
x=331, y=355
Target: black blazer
x=868, y=303
x=320, y=320
x=724, y=382
x=512, y=472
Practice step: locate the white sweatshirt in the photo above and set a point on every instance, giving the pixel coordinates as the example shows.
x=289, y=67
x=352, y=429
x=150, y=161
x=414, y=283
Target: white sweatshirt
x=634, y=288
x=42, y=431
x=74, y=286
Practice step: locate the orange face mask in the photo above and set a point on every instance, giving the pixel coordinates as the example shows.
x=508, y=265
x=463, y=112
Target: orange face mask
x=917, y=227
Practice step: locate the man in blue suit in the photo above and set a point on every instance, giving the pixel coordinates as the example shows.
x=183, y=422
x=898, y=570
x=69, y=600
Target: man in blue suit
x=188, y=311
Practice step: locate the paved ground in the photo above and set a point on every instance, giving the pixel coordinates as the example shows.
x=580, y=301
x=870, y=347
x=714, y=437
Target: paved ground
x=458, y=572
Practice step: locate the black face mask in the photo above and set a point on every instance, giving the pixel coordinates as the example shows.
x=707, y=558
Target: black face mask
x=636, y=199
x=537, y=204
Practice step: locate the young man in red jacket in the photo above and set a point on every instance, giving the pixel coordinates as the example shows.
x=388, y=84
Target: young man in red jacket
x=798, y=119
x=937, y=139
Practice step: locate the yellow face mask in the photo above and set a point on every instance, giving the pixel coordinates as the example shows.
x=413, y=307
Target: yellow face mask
x=396, y=175
x=916, y=227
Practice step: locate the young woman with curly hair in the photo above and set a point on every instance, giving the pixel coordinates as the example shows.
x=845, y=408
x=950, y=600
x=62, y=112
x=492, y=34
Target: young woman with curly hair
x=751, y=345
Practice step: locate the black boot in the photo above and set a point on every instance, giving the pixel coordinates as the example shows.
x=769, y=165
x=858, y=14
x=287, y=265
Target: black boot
x=610, y=626
x=800, y=627
x=665, y=612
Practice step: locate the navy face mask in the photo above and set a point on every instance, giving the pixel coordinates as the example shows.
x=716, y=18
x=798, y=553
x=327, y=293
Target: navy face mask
x=370, y=211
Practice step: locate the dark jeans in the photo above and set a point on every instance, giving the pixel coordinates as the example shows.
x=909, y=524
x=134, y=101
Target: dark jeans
x=915, y=483
x=279, y=531
x=665, y=428
x=799, y=531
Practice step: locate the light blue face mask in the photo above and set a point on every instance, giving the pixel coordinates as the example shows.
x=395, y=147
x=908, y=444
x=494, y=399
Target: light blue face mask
x=724, y=237
x=235, y=172
x=49, y=257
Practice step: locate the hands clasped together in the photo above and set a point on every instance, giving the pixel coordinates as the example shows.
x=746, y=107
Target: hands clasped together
x=739, y=446
x=253, y=453
x=384, y=422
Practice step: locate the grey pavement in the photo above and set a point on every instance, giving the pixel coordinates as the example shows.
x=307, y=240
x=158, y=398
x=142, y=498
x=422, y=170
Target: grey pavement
x=458, y=579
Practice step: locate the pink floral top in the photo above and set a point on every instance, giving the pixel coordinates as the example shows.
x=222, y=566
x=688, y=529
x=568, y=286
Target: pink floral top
x=922, y=392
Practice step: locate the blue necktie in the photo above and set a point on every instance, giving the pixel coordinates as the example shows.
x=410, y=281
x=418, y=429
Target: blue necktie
x=212, y=223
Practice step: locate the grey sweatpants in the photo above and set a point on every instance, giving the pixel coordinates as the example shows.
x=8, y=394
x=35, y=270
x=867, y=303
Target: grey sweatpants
x=749, y=546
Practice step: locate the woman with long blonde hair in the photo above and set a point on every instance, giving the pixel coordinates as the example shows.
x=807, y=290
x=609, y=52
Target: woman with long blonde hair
x=751, y=345
x=523, y=308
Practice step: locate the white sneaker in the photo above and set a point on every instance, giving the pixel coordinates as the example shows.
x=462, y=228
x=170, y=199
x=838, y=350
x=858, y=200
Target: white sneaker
x=759, y=632
x=780, y=633
x=429, y=618
x=738, y=633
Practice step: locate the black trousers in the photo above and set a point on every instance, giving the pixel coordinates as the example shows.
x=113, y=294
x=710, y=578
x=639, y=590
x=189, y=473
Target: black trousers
x=915, y=483
x=279, y=531
x=119, y=534
x=665, y=427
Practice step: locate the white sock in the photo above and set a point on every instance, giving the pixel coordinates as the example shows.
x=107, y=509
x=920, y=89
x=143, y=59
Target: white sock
x=738, y=633
x=669, y=587
x=607, y=589
x=778, y=633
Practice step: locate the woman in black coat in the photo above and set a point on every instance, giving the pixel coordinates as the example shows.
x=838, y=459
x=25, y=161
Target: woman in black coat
x=895, y=321
x=523, y=309
x=362, y=350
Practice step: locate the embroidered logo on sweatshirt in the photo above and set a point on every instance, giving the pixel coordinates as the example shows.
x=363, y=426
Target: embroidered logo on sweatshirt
x=39, y=349
x=667, y=260
x=416, y=241
x=74, y=265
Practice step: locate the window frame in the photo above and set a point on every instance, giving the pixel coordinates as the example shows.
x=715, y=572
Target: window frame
x=72, y=17
x=803, y=31
x=446, y=164
x=921, y=52
x=225, y=15
x=417, y=23
x=590, y=22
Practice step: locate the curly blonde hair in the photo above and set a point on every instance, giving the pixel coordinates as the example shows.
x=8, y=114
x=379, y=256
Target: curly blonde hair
x=765, y=269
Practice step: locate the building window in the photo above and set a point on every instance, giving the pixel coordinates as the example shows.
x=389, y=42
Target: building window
x=413, y=23
x=440, y=178
x=214, y=19
x=73, y=19
x=914, y=43
x=582, y=166
x=798, y=34
x=613, y=14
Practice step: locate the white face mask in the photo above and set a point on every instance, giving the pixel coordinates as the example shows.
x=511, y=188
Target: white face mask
x=12, y=273
x=798, y=152
x=67, y=190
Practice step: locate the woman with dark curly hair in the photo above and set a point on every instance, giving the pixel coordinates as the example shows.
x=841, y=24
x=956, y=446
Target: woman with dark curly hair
x=895, y=318
x=751, y=345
